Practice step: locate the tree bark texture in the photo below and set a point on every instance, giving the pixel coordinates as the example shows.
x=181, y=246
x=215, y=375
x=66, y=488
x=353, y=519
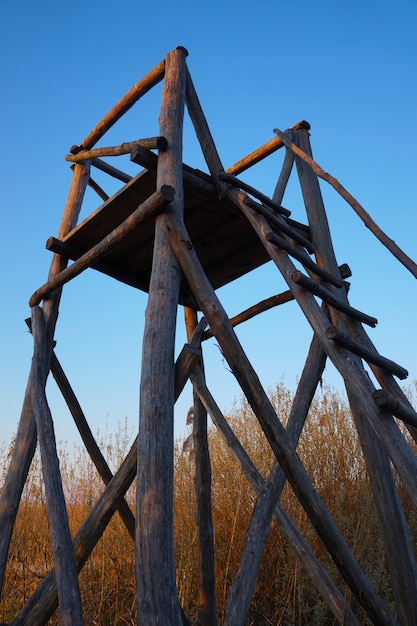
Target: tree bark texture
x=156, y=591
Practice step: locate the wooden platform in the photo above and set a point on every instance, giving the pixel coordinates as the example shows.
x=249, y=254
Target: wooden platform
x=225, y=243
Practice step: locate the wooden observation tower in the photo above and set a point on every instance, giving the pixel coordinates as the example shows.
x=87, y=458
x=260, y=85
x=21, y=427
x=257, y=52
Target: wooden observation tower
x=179, y=234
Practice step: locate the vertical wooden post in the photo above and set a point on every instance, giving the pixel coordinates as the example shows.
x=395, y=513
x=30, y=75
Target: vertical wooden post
x=66, y=571
x=157, y=597
x=207, y=613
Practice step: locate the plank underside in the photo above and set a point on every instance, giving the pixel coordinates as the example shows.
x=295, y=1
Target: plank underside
x=225, y=243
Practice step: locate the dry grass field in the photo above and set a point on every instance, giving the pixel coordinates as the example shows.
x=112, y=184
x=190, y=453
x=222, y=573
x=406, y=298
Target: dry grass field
x=331, y=453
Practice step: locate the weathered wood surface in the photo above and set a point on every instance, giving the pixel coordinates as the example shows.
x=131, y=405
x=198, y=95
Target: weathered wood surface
x=156, y=590
x=268, y=303
x=239, y=184
x=397, y=541
x=356, y=206
x=334, y=301
x=25, y=443
x=207, y=611
x=196, y=180
x=257, y=155
x=151, y=143
x=299, y=254
x=309, y=561
x=388, y=402
x=158, y=200
x=256, y=309
x=226, y=244
x=284, y=176
x=66, y=571
x=44, y=601
x=400, y=558
x=343, y=339
x=281, y=224
x=273, y=429
x=387, y=381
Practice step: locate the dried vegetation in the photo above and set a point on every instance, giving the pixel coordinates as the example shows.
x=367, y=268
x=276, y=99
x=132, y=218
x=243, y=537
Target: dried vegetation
x=331, y=453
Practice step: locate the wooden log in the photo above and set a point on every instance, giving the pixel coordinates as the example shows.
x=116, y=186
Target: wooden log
x=273, y=429
x=283, y=178
x=388, y=402
x=151, y=143
x=280, y=223
x=25, y=443
x=88, y=439
x=154, y=203
x=122, y=106
x=204, y=136
x=207, y=611
x=268, y=303
x=300, y=255
x=156, y=590
x=256, y=309
x=44, y=601
x=309, y=561
x=317, y=212
x=397, y=542
x=400, y=558
x=123, y=276
x=112, y=171
x=199, y=182
x=239, y=184
x=395, y=444
x=66, y=571
x=389, y=433
x=257, y=155
x=188, y=355
x=345, y=340
x=387, y=382
x=328, y=297
x=356, y=206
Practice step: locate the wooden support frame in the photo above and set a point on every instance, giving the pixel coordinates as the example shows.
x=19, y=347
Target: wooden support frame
x=338, y=335
x=155, y=572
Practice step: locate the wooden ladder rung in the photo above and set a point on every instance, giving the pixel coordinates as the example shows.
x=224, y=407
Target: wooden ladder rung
x=280, y=223
x=328, y=297
x=371, y=356
x=387, y=401
x=235, y=182
x=303, y=257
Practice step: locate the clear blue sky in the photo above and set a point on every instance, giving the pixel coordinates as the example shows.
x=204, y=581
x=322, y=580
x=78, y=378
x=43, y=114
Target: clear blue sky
x=348, y=68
